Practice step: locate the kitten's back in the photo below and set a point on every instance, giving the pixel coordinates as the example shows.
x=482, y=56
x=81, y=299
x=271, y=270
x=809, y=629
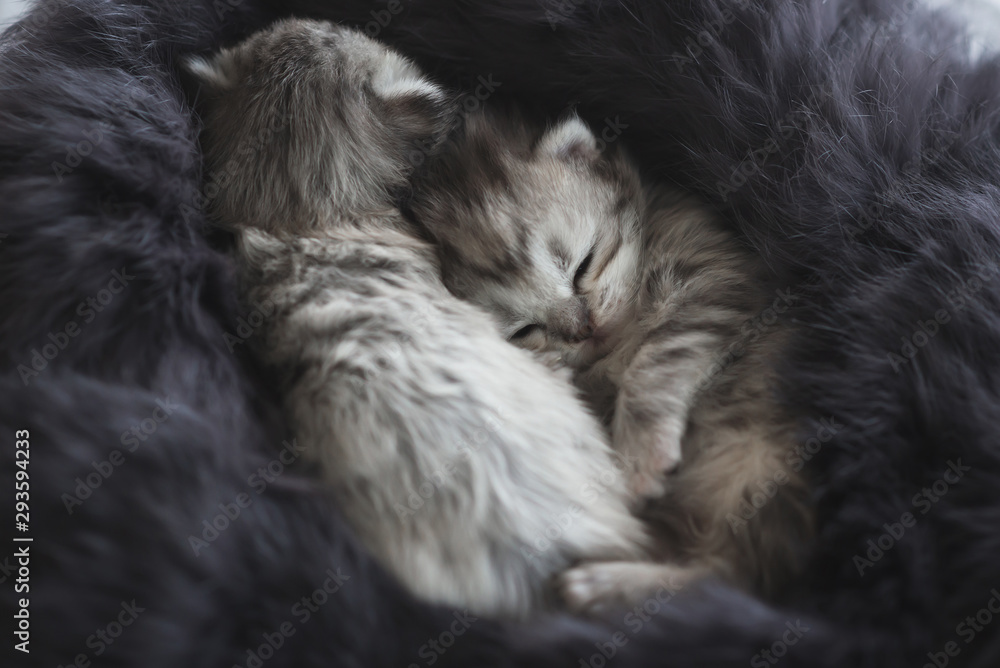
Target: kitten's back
x=473, y=473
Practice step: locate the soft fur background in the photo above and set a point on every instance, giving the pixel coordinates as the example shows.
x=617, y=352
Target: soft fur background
x=851, y=91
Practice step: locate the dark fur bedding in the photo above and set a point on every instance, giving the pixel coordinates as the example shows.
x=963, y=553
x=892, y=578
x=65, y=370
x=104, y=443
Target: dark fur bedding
x=849, y=141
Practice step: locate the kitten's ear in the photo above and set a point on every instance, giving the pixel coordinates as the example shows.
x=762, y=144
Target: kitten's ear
x=423, y=117
x=571, y=140
x=418, y=110
x=213, y=73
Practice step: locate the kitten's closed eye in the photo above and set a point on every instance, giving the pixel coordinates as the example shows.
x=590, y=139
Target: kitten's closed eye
x=581, y=271
x=524, y=332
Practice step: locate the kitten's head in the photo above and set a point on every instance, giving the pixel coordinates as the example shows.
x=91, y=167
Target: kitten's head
x=540, y=229
x=308, y=120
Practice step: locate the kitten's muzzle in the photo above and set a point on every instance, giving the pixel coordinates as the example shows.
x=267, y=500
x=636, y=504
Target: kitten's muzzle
x=572, y=321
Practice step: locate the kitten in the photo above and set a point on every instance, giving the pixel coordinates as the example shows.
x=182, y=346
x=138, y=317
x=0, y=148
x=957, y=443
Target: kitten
x=472, y=472
x=643, y=293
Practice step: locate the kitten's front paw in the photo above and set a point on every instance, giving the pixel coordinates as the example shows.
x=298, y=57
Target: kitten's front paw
x=653, y=454
x=647, y=484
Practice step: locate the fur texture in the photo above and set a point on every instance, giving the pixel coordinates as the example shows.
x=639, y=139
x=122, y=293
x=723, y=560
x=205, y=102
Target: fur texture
x=893, y=92
x=854, y=145
x=437, y=437
x=652, y=302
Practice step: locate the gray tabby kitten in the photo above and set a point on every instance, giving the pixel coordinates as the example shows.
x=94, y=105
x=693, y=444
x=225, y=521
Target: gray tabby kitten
x=470, y=470
x=647, y=298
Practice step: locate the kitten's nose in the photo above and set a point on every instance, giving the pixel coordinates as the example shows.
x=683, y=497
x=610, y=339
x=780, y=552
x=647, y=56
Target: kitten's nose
x=574, y=322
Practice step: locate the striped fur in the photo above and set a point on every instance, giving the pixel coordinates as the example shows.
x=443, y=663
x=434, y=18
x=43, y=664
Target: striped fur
x=651, y=301
x=438, y=438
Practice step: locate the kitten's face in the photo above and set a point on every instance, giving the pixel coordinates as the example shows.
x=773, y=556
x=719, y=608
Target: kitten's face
x=543, y=234
x=307, y=120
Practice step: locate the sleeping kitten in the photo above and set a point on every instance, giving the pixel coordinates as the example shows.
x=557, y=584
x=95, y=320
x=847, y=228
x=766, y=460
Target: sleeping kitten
x=471, y=471
x=643, y=293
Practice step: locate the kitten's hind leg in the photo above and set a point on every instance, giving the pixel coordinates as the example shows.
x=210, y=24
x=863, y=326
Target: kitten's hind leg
x=595, y=587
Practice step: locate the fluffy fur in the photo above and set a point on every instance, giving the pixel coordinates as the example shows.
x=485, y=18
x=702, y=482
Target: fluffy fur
x=891, y=89
x=653, y=303
x=437, y=437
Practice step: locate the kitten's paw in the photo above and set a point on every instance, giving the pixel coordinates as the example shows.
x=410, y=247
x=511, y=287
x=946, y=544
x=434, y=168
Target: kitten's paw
x=590, y=588
x=653, y=455
x=597, y=587
x=667, y=453
x=647, y=484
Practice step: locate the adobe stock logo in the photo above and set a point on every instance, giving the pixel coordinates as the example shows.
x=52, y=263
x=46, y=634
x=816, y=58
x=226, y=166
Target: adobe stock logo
x=967, y=630
x=381, y=18
x=923, y=501
x=778, y=649
x=246, y=327
x=435, y=648
x=101, y=639
x=64, y=335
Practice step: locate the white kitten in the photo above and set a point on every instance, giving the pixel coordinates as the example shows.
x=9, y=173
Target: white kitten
x=471, y=471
